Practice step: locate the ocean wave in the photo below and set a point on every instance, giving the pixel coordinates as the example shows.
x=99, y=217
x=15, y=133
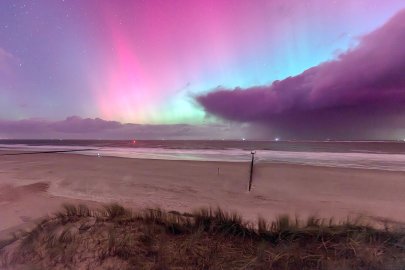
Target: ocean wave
x=359, y=160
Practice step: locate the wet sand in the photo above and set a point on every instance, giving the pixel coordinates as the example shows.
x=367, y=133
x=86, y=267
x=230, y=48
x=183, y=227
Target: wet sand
x=32, y=186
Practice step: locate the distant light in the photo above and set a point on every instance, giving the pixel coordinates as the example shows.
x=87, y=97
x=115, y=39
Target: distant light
x=98, y=155
x=243, y=139
x=277, y=139
x=134, y=142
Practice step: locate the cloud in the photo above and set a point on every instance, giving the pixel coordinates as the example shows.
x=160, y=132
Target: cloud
x=75, y=124
x=75, y=127
x=358, y=94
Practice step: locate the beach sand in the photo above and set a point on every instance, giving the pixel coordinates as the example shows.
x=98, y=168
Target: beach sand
x=32, y=186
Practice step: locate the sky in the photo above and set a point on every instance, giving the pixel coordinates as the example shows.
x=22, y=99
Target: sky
x=210, y=69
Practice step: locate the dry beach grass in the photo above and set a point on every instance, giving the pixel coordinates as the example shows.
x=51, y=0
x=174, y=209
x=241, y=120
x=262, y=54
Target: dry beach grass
x=114, y=237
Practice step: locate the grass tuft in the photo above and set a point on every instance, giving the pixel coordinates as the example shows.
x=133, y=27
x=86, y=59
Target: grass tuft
x=115, y=212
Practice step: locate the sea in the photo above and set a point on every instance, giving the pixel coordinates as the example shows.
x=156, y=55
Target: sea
x=380, y=155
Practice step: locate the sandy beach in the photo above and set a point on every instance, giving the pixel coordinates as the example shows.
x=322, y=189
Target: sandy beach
x=32, y=186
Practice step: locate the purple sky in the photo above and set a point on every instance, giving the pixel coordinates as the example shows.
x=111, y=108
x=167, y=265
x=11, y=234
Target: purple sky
x=202, y=69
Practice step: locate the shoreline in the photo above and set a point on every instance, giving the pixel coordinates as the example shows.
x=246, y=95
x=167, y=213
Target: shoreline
x=247, y=161
x=349, y=159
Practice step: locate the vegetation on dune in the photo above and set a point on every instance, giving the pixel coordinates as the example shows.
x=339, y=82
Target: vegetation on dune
x=117, y=238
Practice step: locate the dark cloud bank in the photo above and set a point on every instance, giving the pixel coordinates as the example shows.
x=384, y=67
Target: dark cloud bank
x=360, y=95
x=75, y=127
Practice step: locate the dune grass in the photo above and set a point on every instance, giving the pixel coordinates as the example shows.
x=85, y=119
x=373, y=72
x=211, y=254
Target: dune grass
x=114, y=237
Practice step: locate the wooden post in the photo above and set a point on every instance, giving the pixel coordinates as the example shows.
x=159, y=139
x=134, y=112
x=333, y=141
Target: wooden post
x=251, y=169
